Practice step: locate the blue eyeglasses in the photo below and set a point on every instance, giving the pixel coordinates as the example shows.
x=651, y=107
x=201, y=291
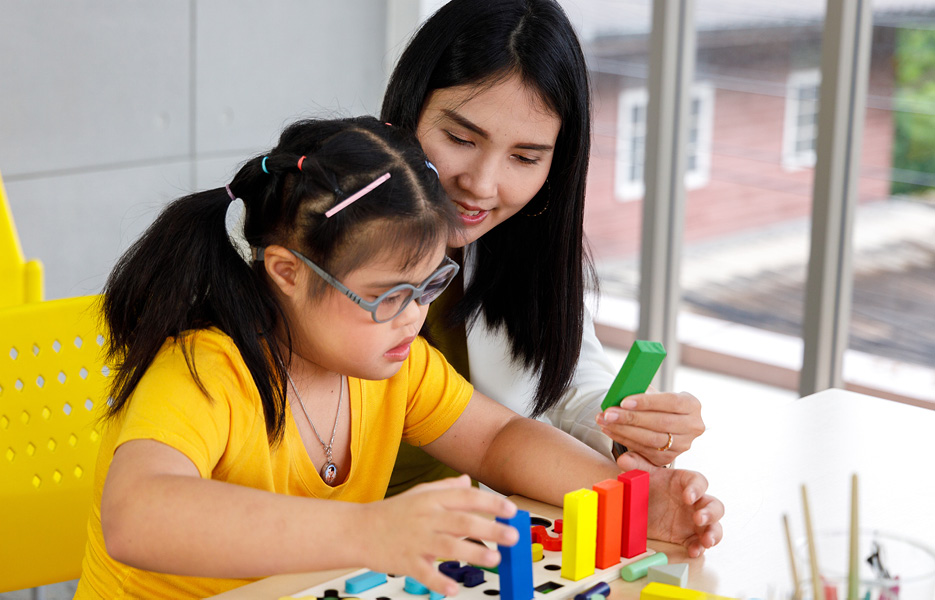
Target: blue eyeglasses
x=392, y=302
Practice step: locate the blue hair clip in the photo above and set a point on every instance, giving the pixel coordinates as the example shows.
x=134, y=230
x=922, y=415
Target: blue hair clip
x=431, y=166
x=263, y=164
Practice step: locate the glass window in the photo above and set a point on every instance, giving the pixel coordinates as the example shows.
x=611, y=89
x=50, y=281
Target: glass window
x=892, y=332
x=746, y=231
x=631, y=141
x=615, y=38
x=800, y=128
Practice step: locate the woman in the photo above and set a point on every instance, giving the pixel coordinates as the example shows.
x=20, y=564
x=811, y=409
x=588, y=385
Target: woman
x=497, y=92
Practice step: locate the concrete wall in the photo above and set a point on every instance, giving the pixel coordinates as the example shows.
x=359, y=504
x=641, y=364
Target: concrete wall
x=111, y=108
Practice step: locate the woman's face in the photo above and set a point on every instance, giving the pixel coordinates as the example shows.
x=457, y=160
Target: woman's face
x=492, y=147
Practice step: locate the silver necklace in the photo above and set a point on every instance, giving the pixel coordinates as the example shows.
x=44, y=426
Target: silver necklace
x=329, y=472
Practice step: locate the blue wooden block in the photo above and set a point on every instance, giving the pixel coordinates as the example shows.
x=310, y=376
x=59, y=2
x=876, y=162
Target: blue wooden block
x=602, y=589
x=364, y=582
x=468, y=575
x=516, y=561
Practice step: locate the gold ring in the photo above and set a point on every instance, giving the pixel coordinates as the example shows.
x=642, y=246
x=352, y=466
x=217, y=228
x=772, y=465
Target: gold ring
x=667, y=446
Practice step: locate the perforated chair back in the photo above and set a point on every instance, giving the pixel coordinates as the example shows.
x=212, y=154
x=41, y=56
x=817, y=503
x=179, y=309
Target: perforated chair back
x=20, y=280
x=53, y=387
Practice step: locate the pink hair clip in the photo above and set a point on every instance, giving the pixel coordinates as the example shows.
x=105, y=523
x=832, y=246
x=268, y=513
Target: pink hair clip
x=357, y=195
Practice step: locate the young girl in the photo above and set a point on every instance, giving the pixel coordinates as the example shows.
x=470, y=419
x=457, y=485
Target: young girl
x=260, y=397
x=497, y=92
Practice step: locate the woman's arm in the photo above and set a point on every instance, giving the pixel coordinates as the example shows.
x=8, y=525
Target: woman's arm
x=641, y=424
x=515, y=455
x=158, y=514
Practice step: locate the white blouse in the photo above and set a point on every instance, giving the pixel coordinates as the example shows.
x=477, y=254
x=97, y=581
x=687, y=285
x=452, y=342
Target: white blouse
x=495, y=374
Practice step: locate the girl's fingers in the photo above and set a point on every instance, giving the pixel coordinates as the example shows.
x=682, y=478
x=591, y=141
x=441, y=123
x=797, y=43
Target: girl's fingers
x=467, y=525
x=435, y=580
x=458, y=494
x=474, y=500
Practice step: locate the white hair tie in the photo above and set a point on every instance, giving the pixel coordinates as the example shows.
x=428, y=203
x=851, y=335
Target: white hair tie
x=234, y=223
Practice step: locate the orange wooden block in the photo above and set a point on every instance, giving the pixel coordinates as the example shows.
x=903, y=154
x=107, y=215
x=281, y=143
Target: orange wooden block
x=609, y=522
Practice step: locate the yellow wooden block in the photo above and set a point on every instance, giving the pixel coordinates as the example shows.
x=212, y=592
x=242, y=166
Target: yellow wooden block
x=664, y=591
x=579, y=534
x=538, y=553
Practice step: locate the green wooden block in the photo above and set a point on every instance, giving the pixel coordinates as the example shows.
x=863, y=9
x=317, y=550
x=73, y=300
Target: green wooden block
x=639, y=569
x=637, y=372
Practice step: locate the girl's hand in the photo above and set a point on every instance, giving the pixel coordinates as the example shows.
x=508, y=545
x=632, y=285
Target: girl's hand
x=409, y=531
x=679, y=509
x=643, y=423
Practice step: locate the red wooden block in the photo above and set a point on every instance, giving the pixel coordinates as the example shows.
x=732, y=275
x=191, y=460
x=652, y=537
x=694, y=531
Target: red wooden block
x=541, y=536
x=609, y=522
x=635, y=512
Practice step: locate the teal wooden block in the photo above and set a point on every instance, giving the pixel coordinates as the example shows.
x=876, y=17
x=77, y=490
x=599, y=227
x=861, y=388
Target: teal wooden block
x=636, y=373
x=414, y=587
x=675, y=574
x=364, y=582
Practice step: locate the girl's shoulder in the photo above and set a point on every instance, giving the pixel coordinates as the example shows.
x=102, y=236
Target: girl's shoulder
x=208, y=347
x=210, y=339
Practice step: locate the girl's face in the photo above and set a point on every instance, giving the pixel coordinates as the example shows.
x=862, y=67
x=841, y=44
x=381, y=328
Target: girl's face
x=492, y=146
x=336, y=334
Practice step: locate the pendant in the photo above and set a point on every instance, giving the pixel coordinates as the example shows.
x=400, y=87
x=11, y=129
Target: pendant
x=329, y=472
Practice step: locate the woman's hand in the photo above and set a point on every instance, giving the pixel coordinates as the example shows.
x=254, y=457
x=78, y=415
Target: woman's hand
x=644, y=422
x=680, y=510
x=409, y=531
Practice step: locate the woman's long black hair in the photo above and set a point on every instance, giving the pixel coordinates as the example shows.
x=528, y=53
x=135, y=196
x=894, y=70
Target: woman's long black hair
x=184, y=274
x=530, y=271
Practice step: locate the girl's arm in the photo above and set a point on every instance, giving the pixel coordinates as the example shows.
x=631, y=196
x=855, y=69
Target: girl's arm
x=515, y=455
x=158, y=514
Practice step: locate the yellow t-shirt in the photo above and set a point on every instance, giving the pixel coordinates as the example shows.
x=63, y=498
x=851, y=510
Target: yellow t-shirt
x=225, y=438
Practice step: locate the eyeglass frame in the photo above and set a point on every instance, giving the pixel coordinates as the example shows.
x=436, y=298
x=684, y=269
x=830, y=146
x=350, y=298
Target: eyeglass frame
x=371, y=307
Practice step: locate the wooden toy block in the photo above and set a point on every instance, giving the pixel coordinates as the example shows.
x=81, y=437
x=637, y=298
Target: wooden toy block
x=635, y=512
x=636, y=373
x=675, y=574
x=609, y=523
x=602, y=589
x=662, y=591
x=541, y=536
x=579, y=537
x=364, y=581
x=637, y=570
x=414, y=587
x=537, y=552
x=467, y=575
x=515, y=568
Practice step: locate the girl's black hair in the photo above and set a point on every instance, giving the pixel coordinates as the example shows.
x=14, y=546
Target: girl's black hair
x=184, y=274
x=530, y=271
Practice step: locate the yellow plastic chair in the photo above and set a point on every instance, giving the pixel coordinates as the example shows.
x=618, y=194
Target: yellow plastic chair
x=20, y=280
x=53, y=389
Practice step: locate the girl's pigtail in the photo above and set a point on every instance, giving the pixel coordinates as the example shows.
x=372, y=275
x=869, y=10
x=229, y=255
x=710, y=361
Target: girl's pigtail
x=184, y=274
